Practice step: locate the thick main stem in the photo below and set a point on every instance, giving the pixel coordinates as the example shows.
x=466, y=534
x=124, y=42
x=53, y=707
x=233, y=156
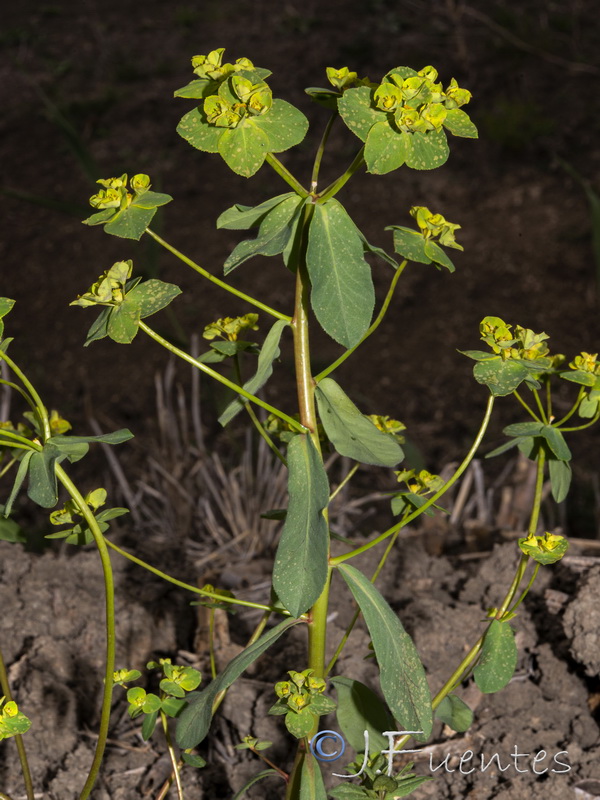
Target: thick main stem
x=317, y=627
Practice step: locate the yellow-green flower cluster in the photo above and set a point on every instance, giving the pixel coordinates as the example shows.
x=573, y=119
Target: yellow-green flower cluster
x=230, y=328
x=419, y=482
x=436, y=226
x=523, y=343
x=109, y=289
x=586, y=362
x=115, y=193
x=418, y=103
x=388, y=425
x=546, y=549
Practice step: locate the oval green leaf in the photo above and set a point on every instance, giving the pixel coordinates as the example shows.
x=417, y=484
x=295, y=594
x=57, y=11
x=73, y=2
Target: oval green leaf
x=342, y=295
x=196, y=130
x=498, y=658
x=359, y=710
x=386, y=148
x=455, y=713
x=402, y=676
x=351, y=433
x=300, y=568
x=284, y=124
x=427, y=150
x=356, y=111
x=244, y=148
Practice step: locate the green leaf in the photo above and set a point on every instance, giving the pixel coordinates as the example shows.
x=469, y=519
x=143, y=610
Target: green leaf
x=524, y=429
x=19, y=478
x=437, y=255
x=242, y=218
x=193, y=760
x=100, y=218
x=123, y=322
x=342, y=295
x=349, y=791
x=351, y=433
x=273, y=234
x=115, y=437
x=153, y=295
x=43, y=488
x=300, y=723
x=588, y=408
x=459, y=123
x=10, y=531
x=356, y=111
x=130, y=223
x=284, y=125
x=579, y=376
x=371, y=249
x=501, y=377
x=311, y=779
x=409, y=244
x=498, y=658
x=244, y=148
x=268, y=353
x=195, y=129
x=173, y=706
x=556, y=442
x=386, y=148
x=428, y=150
x=149, y=724
x=149, y=199
x=5, y=306
x=560, y=478
x=255, y=779
x=359, y=710
x=402, y=676
x=195, y=721
x=408, y=785
x=455, y=713
x=99, y=328
x=300, y=568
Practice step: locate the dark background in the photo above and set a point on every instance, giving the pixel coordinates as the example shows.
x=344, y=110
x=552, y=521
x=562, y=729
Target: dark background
x=86, y=92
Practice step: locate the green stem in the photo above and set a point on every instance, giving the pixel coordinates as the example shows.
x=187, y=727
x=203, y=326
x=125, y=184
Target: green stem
x=344, y=481
x=211, y=643
x=589, y=424
x=334, y=187
x=434, y=498
x=527, y=408
x=189, y=587
x=5, y=686
x=222, y=379
x=172, y=756
x=287, y=176
x=319, y=156
x=255, y=420
x=540, y=406
x=525, y=591
x=109, y=592
x=537, y=498
x=573, y=409
x=33, y=399
x=228, y=288
x=374, y=326
x=548, y=399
